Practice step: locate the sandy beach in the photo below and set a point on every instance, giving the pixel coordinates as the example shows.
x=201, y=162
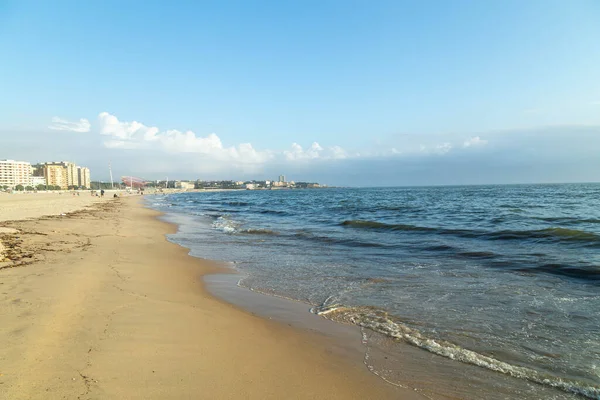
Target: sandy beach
x=32, y=205
x=97, y=304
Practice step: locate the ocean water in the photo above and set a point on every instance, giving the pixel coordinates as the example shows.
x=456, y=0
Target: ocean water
x=503, y=279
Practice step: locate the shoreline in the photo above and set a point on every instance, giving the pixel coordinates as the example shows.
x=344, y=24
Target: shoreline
x=106, y=307
x=400, y=363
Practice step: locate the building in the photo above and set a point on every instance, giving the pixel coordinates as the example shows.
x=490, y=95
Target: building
x=72, y=175
x=38, y=180
x=37, y=170
x=64, y=174
x=281, y=178
x=14, y=173
x=55, y=174
x=184, y=185
x=83, y=177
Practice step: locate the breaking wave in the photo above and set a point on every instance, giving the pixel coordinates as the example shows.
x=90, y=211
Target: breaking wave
x=381, y=322
x=259, y=232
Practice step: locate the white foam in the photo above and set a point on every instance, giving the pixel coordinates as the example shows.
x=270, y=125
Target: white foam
x=378, y=321
x=225, y=224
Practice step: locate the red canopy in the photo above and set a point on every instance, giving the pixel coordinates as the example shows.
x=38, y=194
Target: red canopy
x=132, y=181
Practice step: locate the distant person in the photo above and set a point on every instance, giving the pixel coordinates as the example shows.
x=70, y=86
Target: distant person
x=102, y=193
x=115, y=196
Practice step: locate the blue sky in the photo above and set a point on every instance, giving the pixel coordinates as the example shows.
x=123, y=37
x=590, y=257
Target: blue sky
x=343, y=91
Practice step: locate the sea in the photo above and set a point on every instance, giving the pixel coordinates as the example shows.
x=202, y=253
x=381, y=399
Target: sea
x=459, y=291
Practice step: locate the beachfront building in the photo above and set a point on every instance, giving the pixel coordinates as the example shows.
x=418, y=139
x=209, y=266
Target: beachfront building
x=55, y=174
x=281, y=178
x=83, y=177
x=64, y=174
x=72, y=177
x=14, y=173
x=37, y=170
x=37, y=181
x=184, y=185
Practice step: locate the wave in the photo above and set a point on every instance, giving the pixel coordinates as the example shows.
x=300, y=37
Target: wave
x=303, y=235
x=380, y=321
x=558, y=234
x=590, y=273
x=568, y=220
x=236, y=203
x=440, y=247
x=259, y=232
x=383, y=226
x=225, y=224
x=219, y=210
x=477, y=254
x=548, y=233
x=273, y=212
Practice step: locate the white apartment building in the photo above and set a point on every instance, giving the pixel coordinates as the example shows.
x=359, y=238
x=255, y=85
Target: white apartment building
x=13, y=173
x=38, y=180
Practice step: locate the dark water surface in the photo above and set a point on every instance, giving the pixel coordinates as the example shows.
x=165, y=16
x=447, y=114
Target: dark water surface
x=504, y=278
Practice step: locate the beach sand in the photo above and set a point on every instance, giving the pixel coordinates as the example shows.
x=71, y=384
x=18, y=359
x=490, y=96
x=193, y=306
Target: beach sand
x=33, y=205
x=97, y=304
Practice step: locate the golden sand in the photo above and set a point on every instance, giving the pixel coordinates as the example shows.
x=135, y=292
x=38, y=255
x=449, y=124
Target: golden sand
x=32, y=205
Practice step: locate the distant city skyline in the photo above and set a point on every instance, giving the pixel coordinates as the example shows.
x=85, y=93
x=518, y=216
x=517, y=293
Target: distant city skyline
x=381, y=93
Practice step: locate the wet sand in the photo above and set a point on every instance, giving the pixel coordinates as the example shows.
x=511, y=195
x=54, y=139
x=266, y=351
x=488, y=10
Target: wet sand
x=97, y=304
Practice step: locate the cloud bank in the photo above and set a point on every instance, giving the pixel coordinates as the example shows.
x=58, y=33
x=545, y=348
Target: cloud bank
x=135, y=135
x=565, y=153
x=59, y=124
x=474, y=142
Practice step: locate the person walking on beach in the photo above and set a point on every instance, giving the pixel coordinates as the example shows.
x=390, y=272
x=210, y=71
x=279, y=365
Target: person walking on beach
x=102, y=193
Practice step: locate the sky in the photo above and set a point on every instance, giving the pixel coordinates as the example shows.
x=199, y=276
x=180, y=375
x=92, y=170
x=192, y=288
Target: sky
x=356, y=93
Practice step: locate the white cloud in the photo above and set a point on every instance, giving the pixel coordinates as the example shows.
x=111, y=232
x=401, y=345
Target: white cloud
x=298, y=153
x=110, y=125
x=474, y=142
x=187, y=142
x=338, y=153
x=315, y=151
x=121, y=144
x=59, y=124
x=135, y=135
x=443, y=148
